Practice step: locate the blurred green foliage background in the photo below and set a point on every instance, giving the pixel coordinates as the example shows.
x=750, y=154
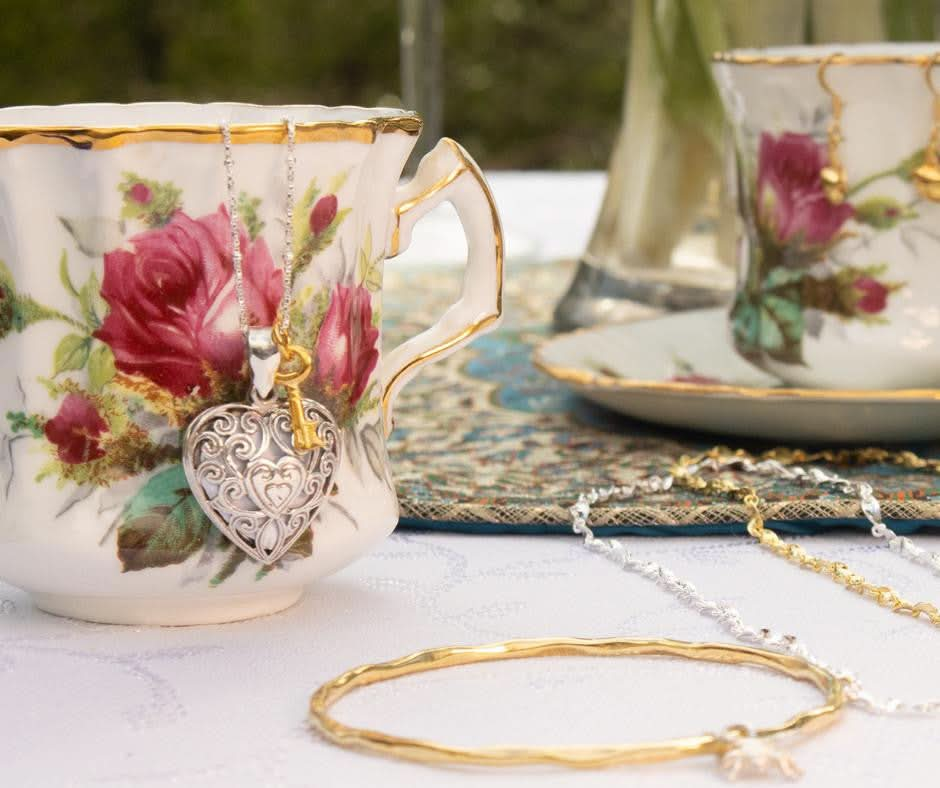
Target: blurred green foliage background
x=529, y=83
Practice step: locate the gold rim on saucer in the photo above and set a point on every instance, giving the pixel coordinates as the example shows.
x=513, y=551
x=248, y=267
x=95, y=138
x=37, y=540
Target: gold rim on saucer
x=582, y=377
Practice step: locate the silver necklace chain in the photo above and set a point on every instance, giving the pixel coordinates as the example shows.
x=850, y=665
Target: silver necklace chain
x=237, y=455
x=726, y=615
x=287, y=255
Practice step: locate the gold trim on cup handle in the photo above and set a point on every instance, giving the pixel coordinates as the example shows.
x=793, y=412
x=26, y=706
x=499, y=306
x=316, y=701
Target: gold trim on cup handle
x=448, y=174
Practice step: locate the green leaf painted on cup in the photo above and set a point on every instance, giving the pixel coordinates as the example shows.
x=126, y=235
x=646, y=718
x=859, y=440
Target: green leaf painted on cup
x=161, y=525
x=781, y=329
x=71, y=353
x=745, y=326
x=64, y=275
x=93, y=306
x=782, y=277
x=369, y=268
x=24, y=422
x=235, y=558
x=101, y=369
x=248, y=208
x=769, y=320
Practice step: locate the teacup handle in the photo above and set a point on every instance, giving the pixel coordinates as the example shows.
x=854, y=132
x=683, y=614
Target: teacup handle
x=447, y=173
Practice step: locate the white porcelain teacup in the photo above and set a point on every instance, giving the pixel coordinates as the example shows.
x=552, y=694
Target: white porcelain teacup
x=118, y=323
x=835, y=295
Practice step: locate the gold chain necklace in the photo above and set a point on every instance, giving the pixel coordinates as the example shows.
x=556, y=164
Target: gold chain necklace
x=687, y=474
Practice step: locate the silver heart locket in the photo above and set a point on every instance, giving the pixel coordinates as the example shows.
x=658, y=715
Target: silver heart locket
x=256, y=489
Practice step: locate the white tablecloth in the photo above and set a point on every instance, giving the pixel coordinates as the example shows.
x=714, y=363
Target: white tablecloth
x=92, y=705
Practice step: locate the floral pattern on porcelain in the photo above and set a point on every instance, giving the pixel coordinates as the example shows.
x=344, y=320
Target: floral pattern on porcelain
x=793, y=274
x=154, y=339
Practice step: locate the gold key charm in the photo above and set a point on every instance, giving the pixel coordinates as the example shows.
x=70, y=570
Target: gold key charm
x=305, y=429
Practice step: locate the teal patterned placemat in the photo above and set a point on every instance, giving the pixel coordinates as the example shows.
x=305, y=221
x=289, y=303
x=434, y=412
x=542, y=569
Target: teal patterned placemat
x=485, y=443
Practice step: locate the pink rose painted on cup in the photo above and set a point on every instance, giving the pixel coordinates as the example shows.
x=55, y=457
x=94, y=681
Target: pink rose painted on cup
x=140, y=193
x=323, y=213
x=347, y=346
x=790, y=201
x=75, y=431
x=874, y=295
x=173, y=313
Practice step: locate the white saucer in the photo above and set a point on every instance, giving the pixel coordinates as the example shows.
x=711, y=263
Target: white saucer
x=680, y=370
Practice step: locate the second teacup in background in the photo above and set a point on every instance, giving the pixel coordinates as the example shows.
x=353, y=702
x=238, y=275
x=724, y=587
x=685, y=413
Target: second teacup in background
x=839, y=266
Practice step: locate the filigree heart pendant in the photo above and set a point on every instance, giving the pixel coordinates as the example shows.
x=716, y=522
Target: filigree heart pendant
x=249, y=479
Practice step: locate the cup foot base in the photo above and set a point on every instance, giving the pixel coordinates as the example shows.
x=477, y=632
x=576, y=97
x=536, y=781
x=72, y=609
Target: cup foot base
x=168, y=610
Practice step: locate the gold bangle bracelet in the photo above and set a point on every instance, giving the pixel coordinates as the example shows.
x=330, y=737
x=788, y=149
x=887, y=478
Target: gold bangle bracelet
x=739, y=748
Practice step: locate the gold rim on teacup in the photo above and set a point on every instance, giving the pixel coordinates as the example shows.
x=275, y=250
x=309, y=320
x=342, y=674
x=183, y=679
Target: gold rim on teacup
x=105, y=137
x=911, y=53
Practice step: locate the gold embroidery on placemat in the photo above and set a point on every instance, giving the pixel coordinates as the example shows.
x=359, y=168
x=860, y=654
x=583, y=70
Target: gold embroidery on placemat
x=477, y=446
